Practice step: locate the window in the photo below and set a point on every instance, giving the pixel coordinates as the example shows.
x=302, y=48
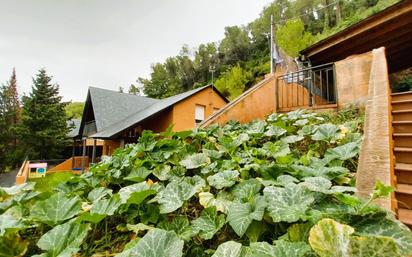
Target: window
x=199, y=113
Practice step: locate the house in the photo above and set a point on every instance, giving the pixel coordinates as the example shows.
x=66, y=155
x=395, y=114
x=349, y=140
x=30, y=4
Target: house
x=351, y=67
x=112, y=119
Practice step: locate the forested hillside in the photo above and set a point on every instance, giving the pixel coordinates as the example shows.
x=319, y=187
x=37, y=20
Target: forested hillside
x=241, y=58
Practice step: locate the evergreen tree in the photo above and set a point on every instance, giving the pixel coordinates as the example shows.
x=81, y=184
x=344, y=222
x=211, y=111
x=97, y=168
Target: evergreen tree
x=9, y=119
x=15, y=108
x=44, y=126
x=5, y=135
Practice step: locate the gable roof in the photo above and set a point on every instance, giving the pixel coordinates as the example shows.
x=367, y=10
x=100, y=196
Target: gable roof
x=138, y=115
x=110, y=107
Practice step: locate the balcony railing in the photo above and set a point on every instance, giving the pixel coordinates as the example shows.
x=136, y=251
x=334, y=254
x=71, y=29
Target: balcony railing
x=310, y=87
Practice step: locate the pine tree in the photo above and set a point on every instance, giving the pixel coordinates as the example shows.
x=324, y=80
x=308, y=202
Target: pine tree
x=9, y=119
x=44, y=126
x=15, y=109
x=5, y=135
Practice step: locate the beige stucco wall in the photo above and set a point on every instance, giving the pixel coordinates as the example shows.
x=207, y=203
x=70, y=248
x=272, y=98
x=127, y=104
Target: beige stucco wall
x=352, y=79
x=184, y=111
x=376, y=158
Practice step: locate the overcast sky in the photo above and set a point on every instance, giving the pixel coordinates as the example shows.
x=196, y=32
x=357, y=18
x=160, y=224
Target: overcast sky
x=107, y=43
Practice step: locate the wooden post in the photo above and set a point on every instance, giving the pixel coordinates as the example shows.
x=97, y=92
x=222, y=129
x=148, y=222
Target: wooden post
x=94, y=150
x=122, y=143
x=84, y=154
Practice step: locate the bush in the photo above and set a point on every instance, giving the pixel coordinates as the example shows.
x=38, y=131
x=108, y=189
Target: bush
x=280, y=187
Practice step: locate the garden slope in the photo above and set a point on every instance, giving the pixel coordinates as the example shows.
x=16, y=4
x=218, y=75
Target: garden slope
x=274, y=188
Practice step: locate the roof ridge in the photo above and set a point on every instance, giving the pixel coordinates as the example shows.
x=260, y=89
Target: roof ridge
x=161, y=105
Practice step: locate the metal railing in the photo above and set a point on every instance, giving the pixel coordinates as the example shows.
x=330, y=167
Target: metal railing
x=314, y=86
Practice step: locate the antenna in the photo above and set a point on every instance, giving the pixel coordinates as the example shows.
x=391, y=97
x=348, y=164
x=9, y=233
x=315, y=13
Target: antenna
x=271, y=43
x=212, y=69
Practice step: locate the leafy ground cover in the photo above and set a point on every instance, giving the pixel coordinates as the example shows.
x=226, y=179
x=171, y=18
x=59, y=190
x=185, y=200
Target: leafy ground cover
x=274, y=188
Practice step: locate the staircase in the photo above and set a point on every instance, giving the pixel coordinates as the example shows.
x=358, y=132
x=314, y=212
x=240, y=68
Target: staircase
x=402, y=136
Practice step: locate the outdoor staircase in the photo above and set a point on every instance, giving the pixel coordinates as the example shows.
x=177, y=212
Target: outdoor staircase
x=402, y=138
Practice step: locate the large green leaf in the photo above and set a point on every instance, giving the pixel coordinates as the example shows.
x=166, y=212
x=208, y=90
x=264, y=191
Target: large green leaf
x=326, y=132
x=97, y=193
x=223, y=179
x=228, y=249
x=288, y=204
x=277, y=149
x=138, y=174
x=156, y=243
x=389, y=228
x=241, y=215
x=344, y=152
x=63, y=240
x=280, y=249
x=180, y=225
x=374, y=246
x=162, y=172
x=12, y=245
x=329, y=238
x=136, y=193
x=255, y=230
x=56, y=209
x=247, y=189
x=106, y=206
x=8, y=222
x=221, y=202
x=195, y=161
x=178, y=191
x=208, y=223
x=275, y=131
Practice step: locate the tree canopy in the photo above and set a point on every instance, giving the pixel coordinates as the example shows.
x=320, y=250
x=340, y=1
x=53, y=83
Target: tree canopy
x=44, y=126
x=298, y=24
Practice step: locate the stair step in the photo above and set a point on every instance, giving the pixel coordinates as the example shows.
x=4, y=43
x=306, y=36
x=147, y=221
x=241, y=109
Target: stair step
x=402, y=126
x=403, y=139
x=403, y=166
x=402, y=115
x=402, y=96
x=403, y=154
x=404, y=189
x=402, y=104
x=403, y=149
x=403, y=194
x=403, y=172
x=402, y=134
x=405, y=216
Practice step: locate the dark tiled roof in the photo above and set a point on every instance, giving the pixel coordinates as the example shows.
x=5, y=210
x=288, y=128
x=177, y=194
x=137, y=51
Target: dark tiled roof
x=145, y=113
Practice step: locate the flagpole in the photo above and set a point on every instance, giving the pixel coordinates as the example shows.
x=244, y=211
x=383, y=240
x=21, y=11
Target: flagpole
x=271, y=43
